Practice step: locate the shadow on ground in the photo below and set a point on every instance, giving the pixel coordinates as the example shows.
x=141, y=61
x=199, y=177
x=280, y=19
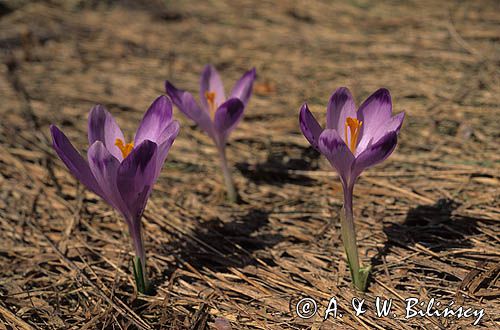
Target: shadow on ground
x=433, y=226
x=217, y=245
x=282, y=160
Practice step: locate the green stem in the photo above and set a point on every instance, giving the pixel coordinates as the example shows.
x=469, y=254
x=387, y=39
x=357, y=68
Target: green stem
x=140, y=276
x=139, y=262
x=359, y=274
x=228, y=179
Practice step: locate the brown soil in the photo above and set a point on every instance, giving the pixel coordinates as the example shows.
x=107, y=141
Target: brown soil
x=427, y=218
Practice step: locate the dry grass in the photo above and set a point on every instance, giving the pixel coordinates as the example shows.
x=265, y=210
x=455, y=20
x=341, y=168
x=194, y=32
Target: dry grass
x=427, y=219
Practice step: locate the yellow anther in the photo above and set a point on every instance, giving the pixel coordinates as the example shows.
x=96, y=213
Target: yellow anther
x=210, y=96
x=354, y=126
x=126, y=149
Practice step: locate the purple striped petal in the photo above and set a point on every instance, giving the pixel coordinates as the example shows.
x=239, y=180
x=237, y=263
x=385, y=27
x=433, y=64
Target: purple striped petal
x=211, y=82
x=170, y=132
x=227, y=117
x=103, y=127
x=309, y=126
x=187, y=105
x=136, y=175
x=105, y=166
x=243, y=88
x=375, y=153
x=336, y=151
x=340, y=106
x=395, y=123
x=374, y=113
x=75, y=163
x=155, y=120
x=392, y=125
x=167, y=139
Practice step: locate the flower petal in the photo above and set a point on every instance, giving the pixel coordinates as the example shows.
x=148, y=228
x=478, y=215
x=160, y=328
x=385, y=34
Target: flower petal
x=375, y=153
x=395, y=123
x=336, y=151
x=103, y=127
x=170, y=132
x=76, y=164
x=392, y=125
x=155, y=120
x=374, y=113
x=227, y=117
x=167, y=139
x=340, y=106
x=136, y=176
x=187, y=105
x=309, y=126
x=211, y=82
x=243, y=88
x=105, y=166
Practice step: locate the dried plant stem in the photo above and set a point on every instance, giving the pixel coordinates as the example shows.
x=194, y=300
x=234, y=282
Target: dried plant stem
x=228, y=179
x=359, y=274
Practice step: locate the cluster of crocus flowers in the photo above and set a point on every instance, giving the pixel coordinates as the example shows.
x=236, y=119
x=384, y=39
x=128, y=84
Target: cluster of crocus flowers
x=217, y=116
x=352, y=142
x=122, y=173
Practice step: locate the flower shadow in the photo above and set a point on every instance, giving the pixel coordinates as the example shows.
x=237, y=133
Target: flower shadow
x=283, y=159
x=219, y=245
x=434, y=227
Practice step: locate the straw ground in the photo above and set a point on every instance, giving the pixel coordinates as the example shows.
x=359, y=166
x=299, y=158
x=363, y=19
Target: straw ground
x=427, y=219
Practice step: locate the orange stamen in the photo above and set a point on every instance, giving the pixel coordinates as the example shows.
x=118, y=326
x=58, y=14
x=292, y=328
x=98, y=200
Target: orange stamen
x=354, y=127
x=210, y=96
x=126, y=149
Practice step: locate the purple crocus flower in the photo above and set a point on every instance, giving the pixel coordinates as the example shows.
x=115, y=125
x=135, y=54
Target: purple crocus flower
x=352, y=142
x=123, y=174
x=216, y=115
